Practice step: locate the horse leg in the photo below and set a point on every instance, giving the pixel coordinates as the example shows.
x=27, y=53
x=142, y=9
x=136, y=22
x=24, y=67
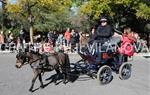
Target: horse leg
x=64, y=78
x=64, y=73
x=40, y=79
x=67, y=71
x=34, y=79
x=65, y=68
x=57, y=76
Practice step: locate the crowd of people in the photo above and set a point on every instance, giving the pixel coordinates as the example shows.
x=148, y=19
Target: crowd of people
x=74, y=41
x=70, y=40
x=7, y=42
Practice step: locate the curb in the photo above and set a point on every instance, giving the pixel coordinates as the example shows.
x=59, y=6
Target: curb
x=142, y=54
x=5, y=52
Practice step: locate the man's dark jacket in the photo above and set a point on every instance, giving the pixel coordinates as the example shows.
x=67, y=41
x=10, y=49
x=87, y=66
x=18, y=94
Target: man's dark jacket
x=103, y=33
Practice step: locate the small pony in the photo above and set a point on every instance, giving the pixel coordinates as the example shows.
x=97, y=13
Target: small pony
x=41, y=63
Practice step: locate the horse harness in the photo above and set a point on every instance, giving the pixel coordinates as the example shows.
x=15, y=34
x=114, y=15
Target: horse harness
x=44, y=62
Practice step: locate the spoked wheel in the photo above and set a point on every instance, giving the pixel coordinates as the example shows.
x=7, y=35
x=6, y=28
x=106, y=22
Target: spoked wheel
x=104, y=75
x=125, y=71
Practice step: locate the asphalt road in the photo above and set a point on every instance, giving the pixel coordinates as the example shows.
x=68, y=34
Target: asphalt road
x=17, y=81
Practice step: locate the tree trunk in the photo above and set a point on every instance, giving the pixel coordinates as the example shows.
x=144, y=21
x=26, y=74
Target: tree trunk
x=31, y=34
x=4, y=4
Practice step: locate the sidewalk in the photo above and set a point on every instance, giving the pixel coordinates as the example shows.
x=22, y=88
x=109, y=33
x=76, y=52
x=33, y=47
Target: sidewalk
x=75, y=53
x=6, y=51
x=142, y=54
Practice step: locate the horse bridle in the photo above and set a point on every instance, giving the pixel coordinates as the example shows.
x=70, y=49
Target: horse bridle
x=22, y=56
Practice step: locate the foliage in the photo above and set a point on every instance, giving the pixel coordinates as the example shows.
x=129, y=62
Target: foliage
x=52, y=22
x=96, y=8
x=47, y=14
x=143, y=11
x=56, y=15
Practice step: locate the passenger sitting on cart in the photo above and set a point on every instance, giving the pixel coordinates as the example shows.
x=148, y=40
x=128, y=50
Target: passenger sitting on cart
x=127, y=48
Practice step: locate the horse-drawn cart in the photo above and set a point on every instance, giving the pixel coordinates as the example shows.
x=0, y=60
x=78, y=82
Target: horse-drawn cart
x=98, y=63
x=101, y=65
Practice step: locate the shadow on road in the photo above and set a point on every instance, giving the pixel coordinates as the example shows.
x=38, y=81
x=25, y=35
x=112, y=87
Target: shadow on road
x=57, y=79
x=146, y=56
x=73, y=77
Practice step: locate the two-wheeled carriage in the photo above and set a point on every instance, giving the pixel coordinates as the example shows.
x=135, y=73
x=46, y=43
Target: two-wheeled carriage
x=101, y=64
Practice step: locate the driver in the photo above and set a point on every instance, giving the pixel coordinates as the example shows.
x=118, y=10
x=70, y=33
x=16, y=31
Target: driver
x=103, y=33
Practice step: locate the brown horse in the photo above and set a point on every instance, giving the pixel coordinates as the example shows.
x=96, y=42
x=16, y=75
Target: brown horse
x=41, y=63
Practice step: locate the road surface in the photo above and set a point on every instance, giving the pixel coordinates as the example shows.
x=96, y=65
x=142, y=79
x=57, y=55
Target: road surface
x=17, y=81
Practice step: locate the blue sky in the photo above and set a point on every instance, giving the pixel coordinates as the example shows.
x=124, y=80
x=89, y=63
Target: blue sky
x=12, y=1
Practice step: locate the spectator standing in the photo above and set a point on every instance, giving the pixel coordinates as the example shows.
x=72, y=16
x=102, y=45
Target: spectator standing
x=1, y=40
x=54, y=38
x=49, y=36
x=11, y=45
x=77, y=39
x=72, y=32
x=67, y=37
x=83, y=39
x=21, y=39
x=18, y=46
x=92, y=32
x=60, y=39
x=10, y=37
x=73, y=41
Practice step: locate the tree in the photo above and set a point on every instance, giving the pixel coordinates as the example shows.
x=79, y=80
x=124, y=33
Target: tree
x=37, y=13
x=96, y=8
x=3, y=12
x=147, y=30
x=134, y=13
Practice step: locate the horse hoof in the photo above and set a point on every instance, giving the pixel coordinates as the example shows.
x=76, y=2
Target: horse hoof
x=65, y=82
x=55, y=83
x=42, y=86
x=30, y=90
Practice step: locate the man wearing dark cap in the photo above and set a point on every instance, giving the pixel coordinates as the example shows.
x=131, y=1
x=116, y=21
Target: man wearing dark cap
x=104, y=31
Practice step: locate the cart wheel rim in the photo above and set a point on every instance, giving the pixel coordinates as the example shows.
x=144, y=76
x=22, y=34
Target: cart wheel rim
x=104, y=75
x=125, y=71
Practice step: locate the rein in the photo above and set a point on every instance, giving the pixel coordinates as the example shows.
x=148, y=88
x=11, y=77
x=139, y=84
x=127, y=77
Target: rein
x=25, y=63
x=31, y=62
x=34, y=60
